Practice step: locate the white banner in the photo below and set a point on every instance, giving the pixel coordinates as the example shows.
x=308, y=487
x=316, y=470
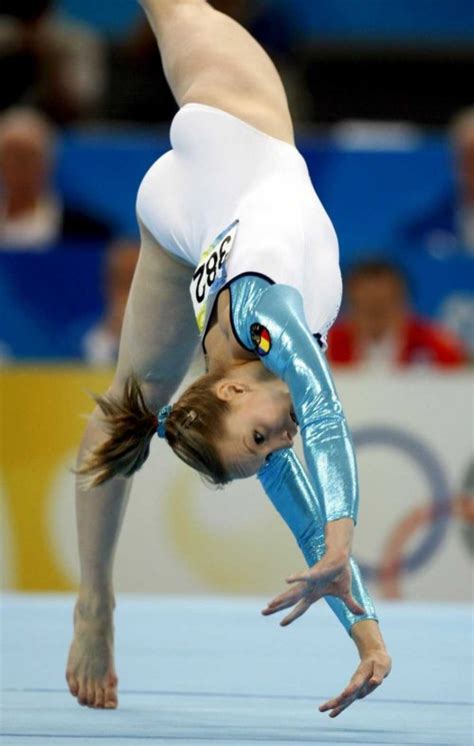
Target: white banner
x=414, y=539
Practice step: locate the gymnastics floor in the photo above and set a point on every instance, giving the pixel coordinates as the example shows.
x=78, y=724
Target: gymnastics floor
x=214, y=671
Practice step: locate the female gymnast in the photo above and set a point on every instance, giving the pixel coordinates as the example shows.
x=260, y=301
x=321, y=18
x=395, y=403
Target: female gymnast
x=233, y=237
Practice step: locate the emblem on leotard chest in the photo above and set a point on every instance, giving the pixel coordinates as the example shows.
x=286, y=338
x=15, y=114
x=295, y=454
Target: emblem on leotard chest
x=210, y=274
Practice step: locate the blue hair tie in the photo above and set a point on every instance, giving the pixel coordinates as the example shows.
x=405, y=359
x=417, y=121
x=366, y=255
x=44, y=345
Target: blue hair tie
x=162, y=417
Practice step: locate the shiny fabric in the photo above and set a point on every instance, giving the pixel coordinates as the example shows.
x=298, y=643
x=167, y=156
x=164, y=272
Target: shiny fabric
x=286, y=484
x=295, y=357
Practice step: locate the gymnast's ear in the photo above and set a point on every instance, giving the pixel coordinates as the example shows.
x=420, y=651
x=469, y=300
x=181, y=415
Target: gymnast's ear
x=228, y=389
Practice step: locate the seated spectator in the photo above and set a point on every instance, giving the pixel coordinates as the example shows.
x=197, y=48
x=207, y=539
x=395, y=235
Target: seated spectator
x=53, y=64
x=379, y=330
x=449, y=223
x=32, y=214
x=96, y=341
x=137, y=86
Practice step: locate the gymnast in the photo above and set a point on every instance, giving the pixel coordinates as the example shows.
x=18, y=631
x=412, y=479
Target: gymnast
x=237, y=252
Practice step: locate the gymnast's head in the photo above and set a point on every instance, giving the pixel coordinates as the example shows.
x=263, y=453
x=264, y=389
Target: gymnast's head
x=224, y=425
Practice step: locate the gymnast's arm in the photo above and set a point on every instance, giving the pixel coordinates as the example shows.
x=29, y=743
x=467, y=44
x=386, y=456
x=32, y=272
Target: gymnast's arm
x=289, y=489
x=295, y=357
x=285, y=482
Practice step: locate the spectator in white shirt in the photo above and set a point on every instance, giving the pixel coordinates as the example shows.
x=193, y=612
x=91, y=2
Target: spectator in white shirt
x=33, y=216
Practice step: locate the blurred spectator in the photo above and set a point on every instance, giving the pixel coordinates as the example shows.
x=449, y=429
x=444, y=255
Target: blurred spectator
x=47, y=62
x=96, y=342
x=138, y=89
x=32, y=214
x=449, y=223
x=379, y=330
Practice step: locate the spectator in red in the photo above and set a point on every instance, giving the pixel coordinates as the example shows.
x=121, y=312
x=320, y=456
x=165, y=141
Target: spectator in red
x=379, y=329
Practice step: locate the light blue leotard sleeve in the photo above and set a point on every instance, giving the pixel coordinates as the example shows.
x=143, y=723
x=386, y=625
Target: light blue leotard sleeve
x=286, y=484
x=291, y=352
x=275, y=315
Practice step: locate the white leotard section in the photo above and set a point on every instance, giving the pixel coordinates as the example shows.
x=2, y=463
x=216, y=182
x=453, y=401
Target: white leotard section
x=220, y=170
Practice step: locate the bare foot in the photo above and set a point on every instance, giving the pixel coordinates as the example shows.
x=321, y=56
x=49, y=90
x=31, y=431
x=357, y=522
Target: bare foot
x=90, y=671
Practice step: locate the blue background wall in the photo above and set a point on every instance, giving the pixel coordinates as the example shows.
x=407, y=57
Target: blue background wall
x=330, y=19
x=369, y=195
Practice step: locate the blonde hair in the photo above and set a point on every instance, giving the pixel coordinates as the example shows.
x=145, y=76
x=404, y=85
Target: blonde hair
x=193, y=429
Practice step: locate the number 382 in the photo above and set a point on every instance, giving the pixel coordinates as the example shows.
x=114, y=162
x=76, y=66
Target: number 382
x=206, y=273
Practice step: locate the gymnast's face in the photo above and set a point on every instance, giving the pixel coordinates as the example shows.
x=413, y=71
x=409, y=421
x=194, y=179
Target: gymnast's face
x=261, y=420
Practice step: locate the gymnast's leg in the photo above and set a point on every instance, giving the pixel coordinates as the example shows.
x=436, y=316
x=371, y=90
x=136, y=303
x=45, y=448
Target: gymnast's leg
x=158, y=351
x=209, y=58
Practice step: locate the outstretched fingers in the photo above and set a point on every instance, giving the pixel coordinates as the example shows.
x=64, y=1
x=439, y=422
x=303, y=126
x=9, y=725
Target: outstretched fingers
x=303, y=577
x=367, y=678
x=352, y=604
x=298, y=611
x=284, y=600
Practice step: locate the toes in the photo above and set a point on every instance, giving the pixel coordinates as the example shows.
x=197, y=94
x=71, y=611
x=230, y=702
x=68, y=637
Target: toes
x=99, y=697
x=91, y=694
x=110, y=700
x=91, y=691
x=73, y=684
x=82, y=693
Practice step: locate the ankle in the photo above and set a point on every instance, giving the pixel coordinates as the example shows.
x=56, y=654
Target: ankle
x=95, y=605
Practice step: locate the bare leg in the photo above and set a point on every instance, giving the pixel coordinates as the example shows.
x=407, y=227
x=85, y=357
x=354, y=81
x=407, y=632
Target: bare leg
x=209, y=58
x=158, y=351
x=159, y=333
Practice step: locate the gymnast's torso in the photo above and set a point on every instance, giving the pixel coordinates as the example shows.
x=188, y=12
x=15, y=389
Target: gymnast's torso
x=231, y=190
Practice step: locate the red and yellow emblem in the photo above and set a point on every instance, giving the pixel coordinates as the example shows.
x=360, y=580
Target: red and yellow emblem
x=261, y=339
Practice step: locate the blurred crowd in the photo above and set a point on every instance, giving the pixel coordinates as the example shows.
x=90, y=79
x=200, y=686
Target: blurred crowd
x=59, y=73
x=380, y=329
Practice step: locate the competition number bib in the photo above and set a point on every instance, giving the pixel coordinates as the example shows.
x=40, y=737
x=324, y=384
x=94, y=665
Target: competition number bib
x=210, y=274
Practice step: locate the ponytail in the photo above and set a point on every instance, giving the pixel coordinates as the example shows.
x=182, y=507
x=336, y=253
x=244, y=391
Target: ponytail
x=193, y=429
x=130, y=426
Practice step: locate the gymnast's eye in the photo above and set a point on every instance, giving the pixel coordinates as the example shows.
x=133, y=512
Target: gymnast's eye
x=258, y=438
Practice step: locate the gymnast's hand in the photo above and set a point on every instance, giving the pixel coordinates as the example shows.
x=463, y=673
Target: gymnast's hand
x=331, y=576
x=375, y=665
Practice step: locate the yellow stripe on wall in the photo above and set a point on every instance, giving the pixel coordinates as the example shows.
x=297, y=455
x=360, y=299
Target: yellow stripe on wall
x=40, y=423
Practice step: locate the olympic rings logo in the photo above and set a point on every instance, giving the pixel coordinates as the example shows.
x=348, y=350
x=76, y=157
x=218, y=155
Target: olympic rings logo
x=436, y=516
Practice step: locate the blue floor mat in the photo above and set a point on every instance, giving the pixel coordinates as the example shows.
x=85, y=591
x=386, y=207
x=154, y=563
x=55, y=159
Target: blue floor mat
x=213, y=671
